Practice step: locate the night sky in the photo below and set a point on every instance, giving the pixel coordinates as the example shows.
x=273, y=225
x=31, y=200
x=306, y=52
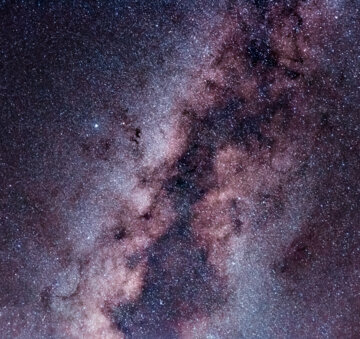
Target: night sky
x=180, y=169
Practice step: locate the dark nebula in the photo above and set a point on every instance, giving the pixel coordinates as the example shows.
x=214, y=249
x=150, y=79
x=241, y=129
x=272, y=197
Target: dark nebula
x=180, y=169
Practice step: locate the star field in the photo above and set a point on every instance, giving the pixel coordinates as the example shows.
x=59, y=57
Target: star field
x=180, y=169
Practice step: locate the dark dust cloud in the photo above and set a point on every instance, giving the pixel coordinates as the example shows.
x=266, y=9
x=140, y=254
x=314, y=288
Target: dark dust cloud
x=180, y=169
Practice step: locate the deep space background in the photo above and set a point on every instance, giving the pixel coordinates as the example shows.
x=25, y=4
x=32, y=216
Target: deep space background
x=180, y=169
